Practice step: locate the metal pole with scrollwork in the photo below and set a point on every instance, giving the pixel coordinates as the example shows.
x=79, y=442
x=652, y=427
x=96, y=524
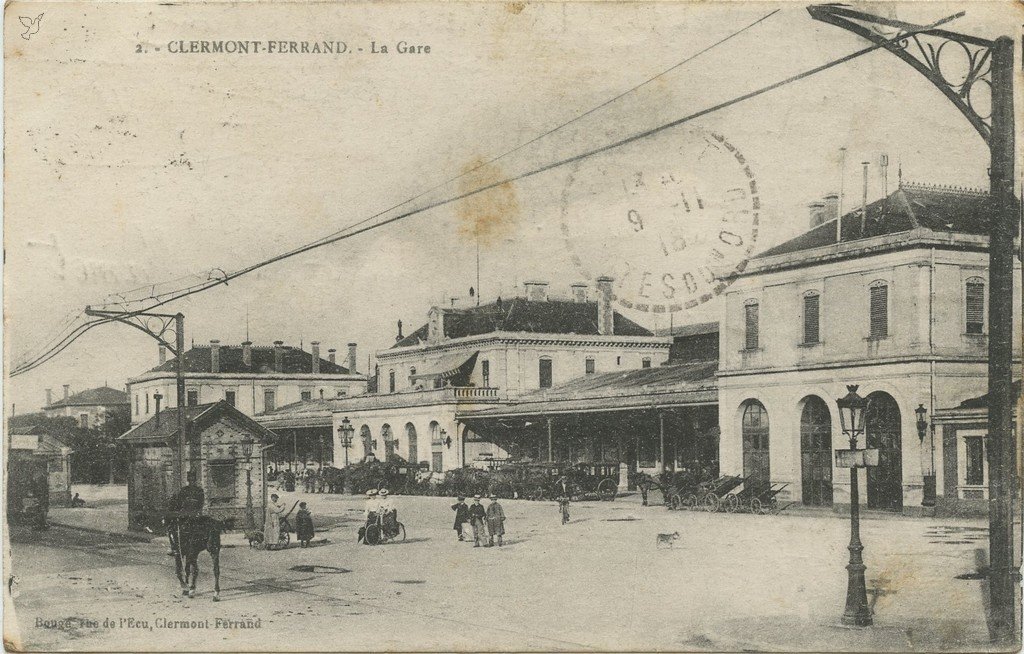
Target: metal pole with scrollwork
x=985, y=77
x=157, y=325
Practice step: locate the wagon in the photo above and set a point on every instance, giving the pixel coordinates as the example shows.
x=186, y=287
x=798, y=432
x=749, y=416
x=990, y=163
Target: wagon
x=714, y=495
x=548, y=480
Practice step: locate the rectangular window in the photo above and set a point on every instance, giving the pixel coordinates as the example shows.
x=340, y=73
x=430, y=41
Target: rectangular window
x=147, y=403
x=436, y=459
x=646, y=363
x=83, y=420
x=975, y=460
x=485, y=373
x=879, y=311
x=391, y=381
x=229, y=397
x=222, y=480
x=811, y=334
x=975, y=307
x=136, y=404
x=306, y=395
x=545, y=373
x=752, y=326
x=268, y=399
x=193, y=398
x=590, y=366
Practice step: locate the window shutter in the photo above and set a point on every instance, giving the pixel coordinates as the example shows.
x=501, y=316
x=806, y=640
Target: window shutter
x=752, y=327
x=975, y=307
x=879, y=311
x=811, y=319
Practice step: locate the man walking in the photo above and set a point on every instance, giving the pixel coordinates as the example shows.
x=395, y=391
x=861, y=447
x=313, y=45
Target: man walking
x=477, y=518
x=495, y=521
x=461, y=516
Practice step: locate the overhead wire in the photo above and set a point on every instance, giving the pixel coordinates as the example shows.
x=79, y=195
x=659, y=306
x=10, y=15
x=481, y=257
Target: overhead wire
x=350, y=231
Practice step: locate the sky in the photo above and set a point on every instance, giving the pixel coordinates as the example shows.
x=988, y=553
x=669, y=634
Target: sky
x=127, y=167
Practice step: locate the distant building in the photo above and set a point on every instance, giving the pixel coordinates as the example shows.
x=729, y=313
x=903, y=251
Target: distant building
x=90, y=408
x=898, y=306
x=466, y=358
x=253, y=379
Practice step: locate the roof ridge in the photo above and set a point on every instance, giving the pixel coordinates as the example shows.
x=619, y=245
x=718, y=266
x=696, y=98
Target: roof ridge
x=943, y=188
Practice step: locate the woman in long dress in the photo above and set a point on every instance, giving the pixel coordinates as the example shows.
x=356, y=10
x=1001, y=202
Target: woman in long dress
x=272, y=523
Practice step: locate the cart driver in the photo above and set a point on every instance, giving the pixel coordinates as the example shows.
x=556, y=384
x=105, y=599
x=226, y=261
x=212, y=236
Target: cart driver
x=372, y=507
x=389, y=512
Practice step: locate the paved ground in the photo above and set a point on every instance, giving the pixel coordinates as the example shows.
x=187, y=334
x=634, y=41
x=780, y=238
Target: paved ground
x=731, y=582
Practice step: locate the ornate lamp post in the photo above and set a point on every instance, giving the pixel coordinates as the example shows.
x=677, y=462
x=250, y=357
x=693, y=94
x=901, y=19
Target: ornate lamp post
x=929, y=477
x=345, y=432
x=247, y=453
x=851, y=415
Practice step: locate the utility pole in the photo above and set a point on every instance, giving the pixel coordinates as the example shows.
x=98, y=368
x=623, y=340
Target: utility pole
x=989, y=62
x=157, y=325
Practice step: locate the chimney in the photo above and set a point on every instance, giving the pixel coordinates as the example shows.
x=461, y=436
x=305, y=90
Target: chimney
x=278, y=356
x=605, y=315
x=579, y=292
x=831, y=207
x=67, y=390
x=157, y=397
x=816, y=210
x=247, y=354
x=49, y=396
x=331, y=356
x=163, y=354
x=536, y=291
x=352, y=358
x=435, y=325
x=215, y=356
x=315, y=345
x=399, y=337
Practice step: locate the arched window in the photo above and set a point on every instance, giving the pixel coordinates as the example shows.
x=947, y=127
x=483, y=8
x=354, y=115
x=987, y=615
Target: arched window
x=589, y=366
x=645, y=362
x=974, y=299
x=410, y=436
x=879, y=310
x=751, y=325
x=812, y=301
x=367, y=438
x=816, y=452
x=388, y=437
x=436, y=448
x=756, y=465
x=882, y=427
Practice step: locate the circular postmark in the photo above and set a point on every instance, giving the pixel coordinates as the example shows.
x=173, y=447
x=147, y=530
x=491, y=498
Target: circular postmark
x=671, y=221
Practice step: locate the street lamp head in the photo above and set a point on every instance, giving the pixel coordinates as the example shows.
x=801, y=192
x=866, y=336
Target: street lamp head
x=922, y=422
x=345, y=429
x=851, y=411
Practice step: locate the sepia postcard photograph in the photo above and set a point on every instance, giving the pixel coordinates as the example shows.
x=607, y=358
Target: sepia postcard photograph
x=703, y=317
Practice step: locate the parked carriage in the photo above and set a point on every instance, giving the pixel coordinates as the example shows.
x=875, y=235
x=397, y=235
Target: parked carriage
x=548, y=480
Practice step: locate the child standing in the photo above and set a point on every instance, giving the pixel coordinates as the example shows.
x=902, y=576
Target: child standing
x=304, y=525
x=461, y=516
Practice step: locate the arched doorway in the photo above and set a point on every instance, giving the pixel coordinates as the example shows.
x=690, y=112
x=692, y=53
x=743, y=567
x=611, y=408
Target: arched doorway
x=756, y=465
x=436, y=448
x=816, y=452
x=882, y=424
x=367, y=438
x=388, y=437
x=410, y=435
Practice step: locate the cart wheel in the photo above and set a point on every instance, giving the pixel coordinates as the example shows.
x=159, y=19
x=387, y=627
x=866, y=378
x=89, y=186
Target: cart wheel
x=286, y=538
x=538, y=495
x=372, y=535
x=607, y=489
x=756, y=506
x=690, y=502
x=400, y=536
x=674, y=502
x=712, y=503
x=731, y=503
x=771, y=507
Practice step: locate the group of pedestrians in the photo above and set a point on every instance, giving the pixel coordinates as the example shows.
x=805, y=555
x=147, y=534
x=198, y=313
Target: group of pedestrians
x=486, y=522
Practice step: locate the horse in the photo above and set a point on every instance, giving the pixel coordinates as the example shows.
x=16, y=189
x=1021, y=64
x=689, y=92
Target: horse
x=190, y=536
